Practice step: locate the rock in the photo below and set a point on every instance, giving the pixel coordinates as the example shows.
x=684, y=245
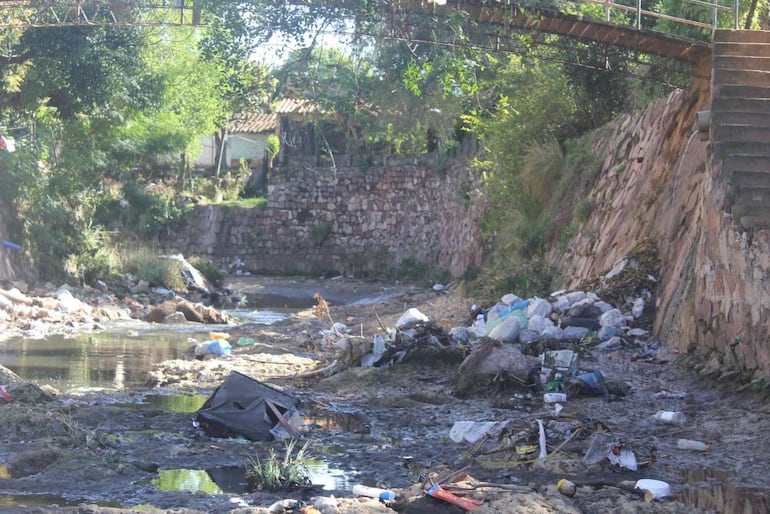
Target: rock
x=7, y=376
x=489, y=359
x=31, y=462
x=27, y=392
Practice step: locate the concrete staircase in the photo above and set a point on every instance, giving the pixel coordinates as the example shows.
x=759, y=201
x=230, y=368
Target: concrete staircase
x=740, y=122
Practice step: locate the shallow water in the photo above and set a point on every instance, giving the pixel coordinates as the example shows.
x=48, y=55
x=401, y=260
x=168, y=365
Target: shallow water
x=121, y=356
x=117, y=358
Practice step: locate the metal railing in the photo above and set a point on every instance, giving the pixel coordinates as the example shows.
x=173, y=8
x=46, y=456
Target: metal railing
x=715, y=7
x=62, y=13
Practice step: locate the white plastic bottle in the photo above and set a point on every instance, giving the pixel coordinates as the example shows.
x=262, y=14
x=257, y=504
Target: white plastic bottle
x=373, y=492
x=555, y=397
x=690, y=444
x=671, y=417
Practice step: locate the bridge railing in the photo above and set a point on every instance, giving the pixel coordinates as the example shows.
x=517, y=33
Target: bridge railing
x=731, y=9
x=60, y=13
x=703, y=15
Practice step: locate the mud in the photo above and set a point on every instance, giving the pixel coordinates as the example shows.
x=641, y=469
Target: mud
x=103, y=451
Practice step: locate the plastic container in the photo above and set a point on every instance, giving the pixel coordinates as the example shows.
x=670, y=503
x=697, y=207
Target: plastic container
x=566, y=487
x=671, y=417
x=655, y=489
x=373, y=492
x=11, y=246
x=555, y=397
x=691, y=444
x=220, y=347
x=594, y=380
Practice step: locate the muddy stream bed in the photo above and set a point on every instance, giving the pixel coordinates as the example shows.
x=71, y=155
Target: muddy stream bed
x=118, y=434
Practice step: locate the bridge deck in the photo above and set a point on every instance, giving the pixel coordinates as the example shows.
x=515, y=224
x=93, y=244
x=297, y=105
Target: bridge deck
x=552, y=22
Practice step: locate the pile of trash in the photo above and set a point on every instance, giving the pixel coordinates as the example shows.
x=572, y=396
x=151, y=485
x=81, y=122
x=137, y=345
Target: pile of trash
x=532, y=343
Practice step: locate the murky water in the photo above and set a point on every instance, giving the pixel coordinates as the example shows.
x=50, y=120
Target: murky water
x=232, y=479
x=117, y=358
x=8, y=501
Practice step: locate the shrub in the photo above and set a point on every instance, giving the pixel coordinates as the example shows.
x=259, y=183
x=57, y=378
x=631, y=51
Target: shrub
x=156, y=270
x=209, y=270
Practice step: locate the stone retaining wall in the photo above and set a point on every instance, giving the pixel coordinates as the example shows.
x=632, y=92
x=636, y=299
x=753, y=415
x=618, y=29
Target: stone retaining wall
x=348, y=220
x=715, y=275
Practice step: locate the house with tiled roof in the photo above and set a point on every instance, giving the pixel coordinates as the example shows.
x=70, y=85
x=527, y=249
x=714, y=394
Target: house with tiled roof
x=248, y=131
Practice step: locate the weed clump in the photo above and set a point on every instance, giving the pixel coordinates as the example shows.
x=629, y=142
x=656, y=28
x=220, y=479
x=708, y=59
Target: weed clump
x=279, y=472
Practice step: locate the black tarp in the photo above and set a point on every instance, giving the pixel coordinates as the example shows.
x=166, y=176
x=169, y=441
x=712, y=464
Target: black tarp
x=239, y=407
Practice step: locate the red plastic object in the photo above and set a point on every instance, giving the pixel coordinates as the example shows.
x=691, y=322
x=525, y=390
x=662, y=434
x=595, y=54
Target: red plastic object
x=442, y=494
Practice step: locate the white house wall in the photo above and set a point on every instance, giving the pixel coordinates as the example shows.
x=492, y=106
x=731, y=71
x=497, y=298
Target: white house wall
x=250, y=147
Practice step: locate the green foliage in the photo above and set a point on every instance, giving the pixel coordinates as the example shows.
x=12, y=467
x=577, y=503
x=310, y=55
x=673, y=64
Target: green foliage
x=259, y=202
x=77, y=69
x=208, y=269
x=155, y=270
x=320, y=231
x=148, y=212
x=94, y=259
x=541, y=166
x=279, y=472
x=525, y=279
x=272, y=147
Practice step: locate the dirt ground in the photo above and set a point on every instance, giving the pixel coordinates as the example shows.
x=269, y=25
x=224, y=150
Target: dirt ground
x=102, y=453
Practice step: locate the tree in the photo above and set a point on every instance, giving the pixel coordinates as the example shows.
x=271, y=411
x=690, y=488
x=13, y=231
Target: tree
x=75, y=69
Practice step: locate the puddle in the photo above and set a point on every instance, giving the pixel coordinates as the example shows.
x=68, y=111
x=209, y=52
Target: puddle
x=44, y=500
x=112, y=360
x=178, y=402
x=337, y=422
x=713, y=491
x=266, y=317
x=231, y=479
x=332, y=479
x=200, y=480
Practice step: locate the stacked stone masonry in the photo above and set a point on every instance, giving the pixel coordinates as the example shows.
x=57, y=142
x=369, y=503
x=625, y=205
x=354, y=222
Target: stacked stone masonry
x=348, y=220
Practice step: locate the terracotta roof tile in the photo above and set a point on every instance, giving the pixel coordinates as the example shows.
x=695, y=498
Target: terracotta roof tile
x=253, y=123
x=294, y=106
x=258, y=121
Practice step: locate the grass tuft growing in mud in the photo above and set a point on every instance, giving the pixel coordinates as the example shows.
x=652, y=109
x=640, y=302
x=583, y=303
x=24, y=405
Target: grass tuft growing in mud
x=288, y=471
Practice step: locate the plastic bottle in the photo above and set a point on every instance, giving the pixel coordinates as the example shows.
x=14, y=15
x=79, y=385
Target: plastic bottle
x=373, y=492
x=555, y=397
x=566, y=487
x=690, y=444
x=671, y=417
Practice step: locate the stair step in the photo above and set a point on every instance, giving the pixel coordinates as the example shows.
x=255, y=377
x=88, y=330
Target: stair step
x=742, y=184
x=741, y=62
x=741, y=133
x=739, y=76
x=754, y=167
x=751, y=195
x=751, y=216
x=754, y=222
x=741, y=91
x=723, y=149
x=752, y=105
x=744, y=49
x=719, y=119
x=741, y=36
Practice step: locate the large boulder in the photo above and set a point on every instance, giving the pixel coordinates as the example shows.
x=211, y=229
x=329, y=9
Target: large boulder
x=490, y=360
